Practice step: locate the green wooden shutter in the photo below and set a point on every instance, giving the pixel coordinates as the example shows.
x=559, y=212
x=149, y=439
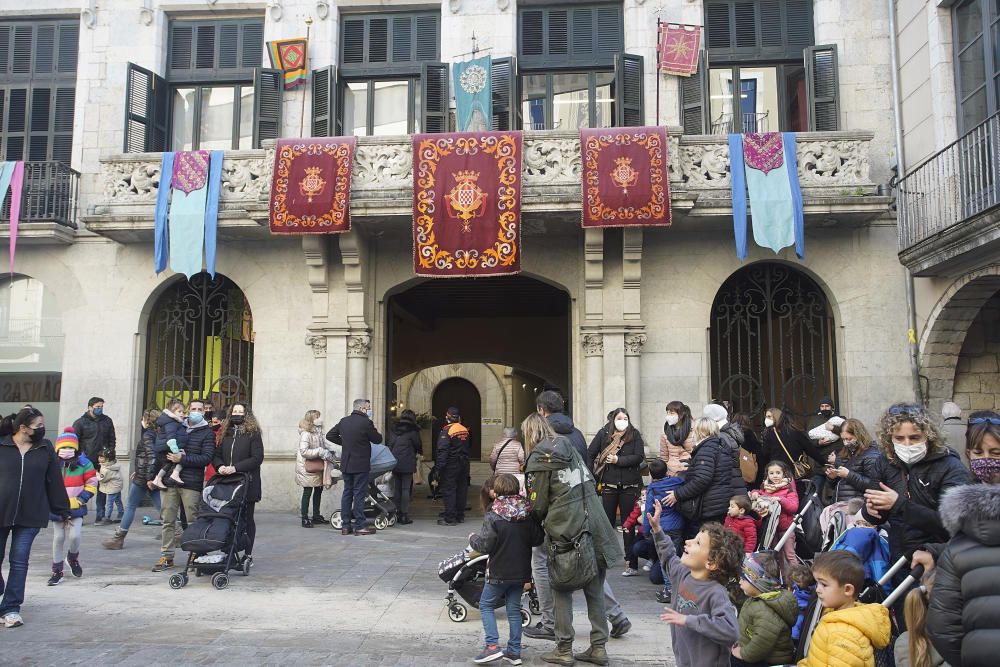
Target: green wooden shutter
x=694, y=99
x=428, y=37
x=434, y=102
x=146, y=98
x=587, y=35
x=325, y=114
x=268, y=88
x=628, y=86
x=822, y=86
x=737, y=31
x=505, y=101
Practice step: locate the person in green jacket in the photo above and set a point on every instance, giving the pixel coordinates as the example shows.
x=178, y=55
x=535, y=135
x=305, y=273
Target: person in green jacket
x=767, y=616
x=564, y=498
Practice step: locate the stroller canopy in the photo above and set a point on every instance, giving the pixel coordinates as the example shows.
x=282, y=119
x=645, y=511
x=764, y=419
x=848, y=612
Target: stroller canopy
x=225, y=491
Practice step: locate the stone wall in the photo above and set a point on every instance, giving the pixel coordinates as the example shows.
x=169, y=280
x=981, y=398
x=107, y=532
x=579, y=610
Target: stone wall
x=977, y=377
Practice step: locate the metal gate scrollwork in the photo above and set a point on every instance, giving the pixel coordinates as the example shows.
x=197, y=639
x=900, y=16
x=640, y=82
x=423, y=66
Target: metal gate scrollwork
x=200, y=343
x=772, y=342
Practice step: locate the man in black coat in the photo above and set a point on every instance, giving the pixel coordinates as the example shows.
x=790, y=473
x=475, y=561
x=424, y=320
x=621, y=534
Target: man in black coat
x=452, y=462
x=551, y=405
x=355, y=433
x=97, y=433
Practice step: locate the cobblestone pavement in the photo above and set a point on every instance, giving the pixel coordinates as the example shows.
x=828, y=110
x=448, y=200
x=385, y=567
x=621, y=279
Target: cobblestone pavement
x=314, y=597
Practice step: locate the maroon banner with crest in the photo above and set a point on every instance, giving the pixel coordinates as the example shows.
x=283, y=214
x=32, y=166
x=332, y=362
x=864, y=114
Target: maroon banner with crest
x=625, y=177
x=311, y=186
x=467, y=204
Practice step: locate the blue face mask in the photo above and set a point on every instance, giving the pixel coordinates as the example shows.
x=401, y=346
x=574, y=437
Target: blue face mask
x=98, y=412
x=195, y=418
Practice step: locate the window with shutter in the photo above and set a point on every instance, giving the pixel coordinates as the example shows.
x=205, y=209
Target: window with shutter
x=742, y=30
x=693, y=95
x=325, y=89
x=387, y=44
x=221, y=50
x=628, y=91
x=822, y=85
x=37, y=89
x=434, y=101
x=269, y=85
x=570, y=35
x=504, y=78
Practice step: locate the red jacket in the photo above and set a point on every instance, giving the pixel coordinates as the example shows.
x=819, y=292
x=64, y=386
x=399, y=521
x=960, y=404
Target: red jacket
x=746, y=527
x=789, y=500
x=634, y=519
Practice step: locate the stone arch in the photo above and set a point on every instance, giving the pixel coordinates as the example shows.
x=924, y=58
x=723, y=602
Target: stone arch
x=944, y=334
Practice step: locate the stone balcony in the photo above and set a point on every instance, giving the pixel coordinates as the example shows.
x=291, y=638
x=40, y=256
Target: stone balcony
x=833, y=173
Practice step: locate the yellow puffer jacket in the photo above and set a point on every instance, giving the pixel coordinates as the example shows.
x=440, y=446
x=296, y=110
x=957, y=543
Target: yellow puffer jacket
x=849, y=637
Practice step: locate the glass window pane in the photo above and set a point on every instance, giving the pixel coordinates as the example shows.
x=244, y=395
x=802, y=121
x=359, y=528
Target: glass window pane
x=533, y=101
x=182, y=128
x=391, y=107
x=246, y=118
x=570, y=101
x=968, y=23
x=604, y=114
x=971, y=68
x=720, y=91
x=758, y=99
x=417, y=108
x=974, y=110
x=356, y=109
x=217, y=118
x=796, y=102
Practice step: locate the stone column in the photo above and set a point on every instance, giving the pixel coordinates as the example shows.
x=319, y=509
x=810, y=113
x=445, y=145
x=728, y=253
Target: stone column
x=358, y=347
x=633, y=374
x=318, y=344
x=593, y=351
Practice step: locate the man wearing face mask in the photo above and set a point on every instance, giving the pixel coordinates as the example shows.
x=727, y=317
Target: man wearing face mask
x=355, y=433
x=97, y=433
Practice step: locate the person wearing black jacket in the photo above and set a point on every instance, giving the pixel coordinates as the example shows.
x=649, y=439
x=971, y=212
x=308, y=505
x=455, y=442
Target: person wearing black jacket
x=144, y=469
x=451, y=459
x=406, y=444
x=857, y=468
x=784, y=441
x=197, y=451
x=97, y=433
x=709, y=476
x=355, y=433
x=550, y=405
x=242, y=451
x=31, y=488
x=616, y=453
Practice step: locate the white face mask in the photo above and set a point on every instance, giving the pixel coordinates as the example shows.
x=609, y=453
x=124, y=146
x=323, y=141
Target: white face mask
x=910, y=454
x=318, y=422
x=621, y=424
x=768, y=422
x=672, y=420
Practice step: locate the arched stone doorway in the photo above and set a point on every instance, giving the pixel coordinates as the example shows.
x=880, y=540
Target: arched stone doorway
x=462, y=394
x=199, y=343
x=772, y=341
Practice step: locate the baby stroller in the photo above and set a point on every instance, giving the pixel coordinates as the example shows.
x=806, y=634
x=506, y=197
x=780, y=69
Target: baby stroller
x=379, y=508
x=465, y=574
x=222, y=529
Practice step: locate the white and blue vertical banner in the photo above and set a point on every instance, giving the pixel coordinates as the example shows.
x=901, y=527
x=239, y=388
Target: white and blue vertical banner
x=473, y=86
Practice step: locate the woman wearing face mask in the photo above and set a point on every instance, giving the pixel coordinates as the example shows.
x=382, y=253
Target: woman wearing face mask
x=784, y=441
x=312, y=447
x=31, y=488
x=677, y=440
x=242, y=451
x=856, y=467
x=617, y=451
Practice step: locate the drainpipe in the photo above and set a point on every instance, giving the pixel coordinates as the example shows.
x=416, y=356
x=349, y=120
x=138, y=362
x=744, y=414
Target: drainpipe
x=897, y=114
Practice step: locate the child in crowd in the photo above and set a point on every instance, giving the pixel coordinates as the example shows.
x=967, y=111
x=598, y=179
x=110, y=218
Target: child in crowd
x=803, y=588
x=671, y=520
x=913, y=648
x=779, y=484
x=767, y=616
x=80, y=480
x=507, y=535
x=172, y=469
x=630, y=527
x=702, y=619
x=110, y=483
x=848, y=632
x=740, y=522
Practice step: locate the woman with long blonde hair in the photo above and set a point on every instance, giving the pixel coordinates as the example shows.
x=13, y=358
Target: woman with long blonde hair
x=312, y=447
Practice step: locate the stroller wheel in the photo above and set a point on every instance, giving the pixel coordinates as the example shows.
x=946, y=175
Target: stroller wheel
x=525, y=618
x=457, y=612
x=220, y=580
x=381, y=522
x=534, y=606
x=245, y=567
x=335, y=521
x=392, y=519
x=177, y=581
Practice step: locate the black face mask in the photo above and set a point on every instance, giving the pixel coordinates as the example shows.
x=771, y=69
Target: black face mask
x=208, y=415
x=38, y=435
x=236, y=419
x=826, y=413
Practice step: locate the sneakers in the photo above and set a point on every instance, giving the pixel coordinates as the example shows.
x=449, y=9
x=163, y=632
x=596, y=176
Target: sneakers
x=488, y=654
x=646, y=567
x=595, y=655
x=446, y=522
x=664, y=596
x=306, y=523
x=620, y=628
x=511, y=659
x=319, y=518
x=74, y=566
x=163, y=564
x=56, y=579
x=106, y=521
x=13, y=620
x=538, y=631
x=629, y=572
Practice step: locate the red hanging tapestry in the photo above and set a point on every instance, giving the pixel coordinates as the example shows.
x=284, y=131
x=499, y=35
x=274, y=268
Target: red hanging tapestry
x=311, y=186
x=467, y=204
x=678, y=48
x=625, y=178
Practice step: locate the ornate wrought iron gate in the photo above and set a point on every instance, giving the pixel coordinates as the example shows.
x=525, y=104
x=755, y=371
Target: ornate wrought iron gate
x=200, y=343
x=772, y=341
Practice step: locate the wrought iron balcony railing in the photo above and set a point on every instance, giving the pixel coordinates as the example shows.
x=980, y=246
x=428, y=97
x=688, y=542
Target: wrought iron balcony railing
x=952, y=187
x=50, y=194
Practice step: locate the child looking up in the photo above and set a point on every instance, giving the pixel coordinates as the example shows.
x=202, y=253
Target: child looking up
x=740, y=522
x=702, y=618
x=848, y=633
x=767, y=616
x=507, y=535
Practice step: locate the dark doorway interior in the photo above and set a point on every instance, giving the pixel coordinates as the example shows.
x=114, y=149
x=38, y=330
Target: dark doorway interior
x=462, y=394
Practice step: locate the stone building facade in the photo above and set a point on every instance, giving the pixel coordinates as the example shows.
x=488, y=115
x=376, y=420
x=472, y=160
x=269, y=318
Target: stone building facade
x=631, y=318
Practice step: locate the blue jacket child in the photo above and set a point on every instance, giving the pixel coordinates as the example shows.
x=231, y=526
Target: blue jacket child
x=671, y=520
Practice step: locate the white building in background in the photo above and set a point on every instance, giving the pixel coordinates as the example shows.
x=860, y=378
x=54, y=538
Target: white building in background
x=633, y=318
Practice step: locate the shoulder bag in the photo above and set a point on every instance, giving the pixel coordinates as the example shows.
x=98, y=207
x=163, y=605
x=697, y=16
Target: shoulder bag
x=801, y=467
x=573, y=563
x=493, y=464
x=748, y=465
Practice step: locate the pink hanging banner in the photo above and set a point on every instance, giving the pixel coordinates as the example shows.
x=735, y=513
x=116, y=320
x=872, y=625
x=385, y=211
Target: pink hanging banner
x=16, y=186
x=678, y=48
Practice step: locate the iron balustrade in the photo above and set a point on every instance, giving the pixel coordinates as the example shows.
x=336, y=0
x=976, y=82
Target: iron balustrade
x=751, y=123
x=50, y=194
x=951, y=187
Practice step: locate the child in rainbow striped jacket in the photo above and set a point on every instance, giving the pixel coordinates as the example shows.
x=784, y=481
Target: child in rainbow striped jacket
x=80, y=480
